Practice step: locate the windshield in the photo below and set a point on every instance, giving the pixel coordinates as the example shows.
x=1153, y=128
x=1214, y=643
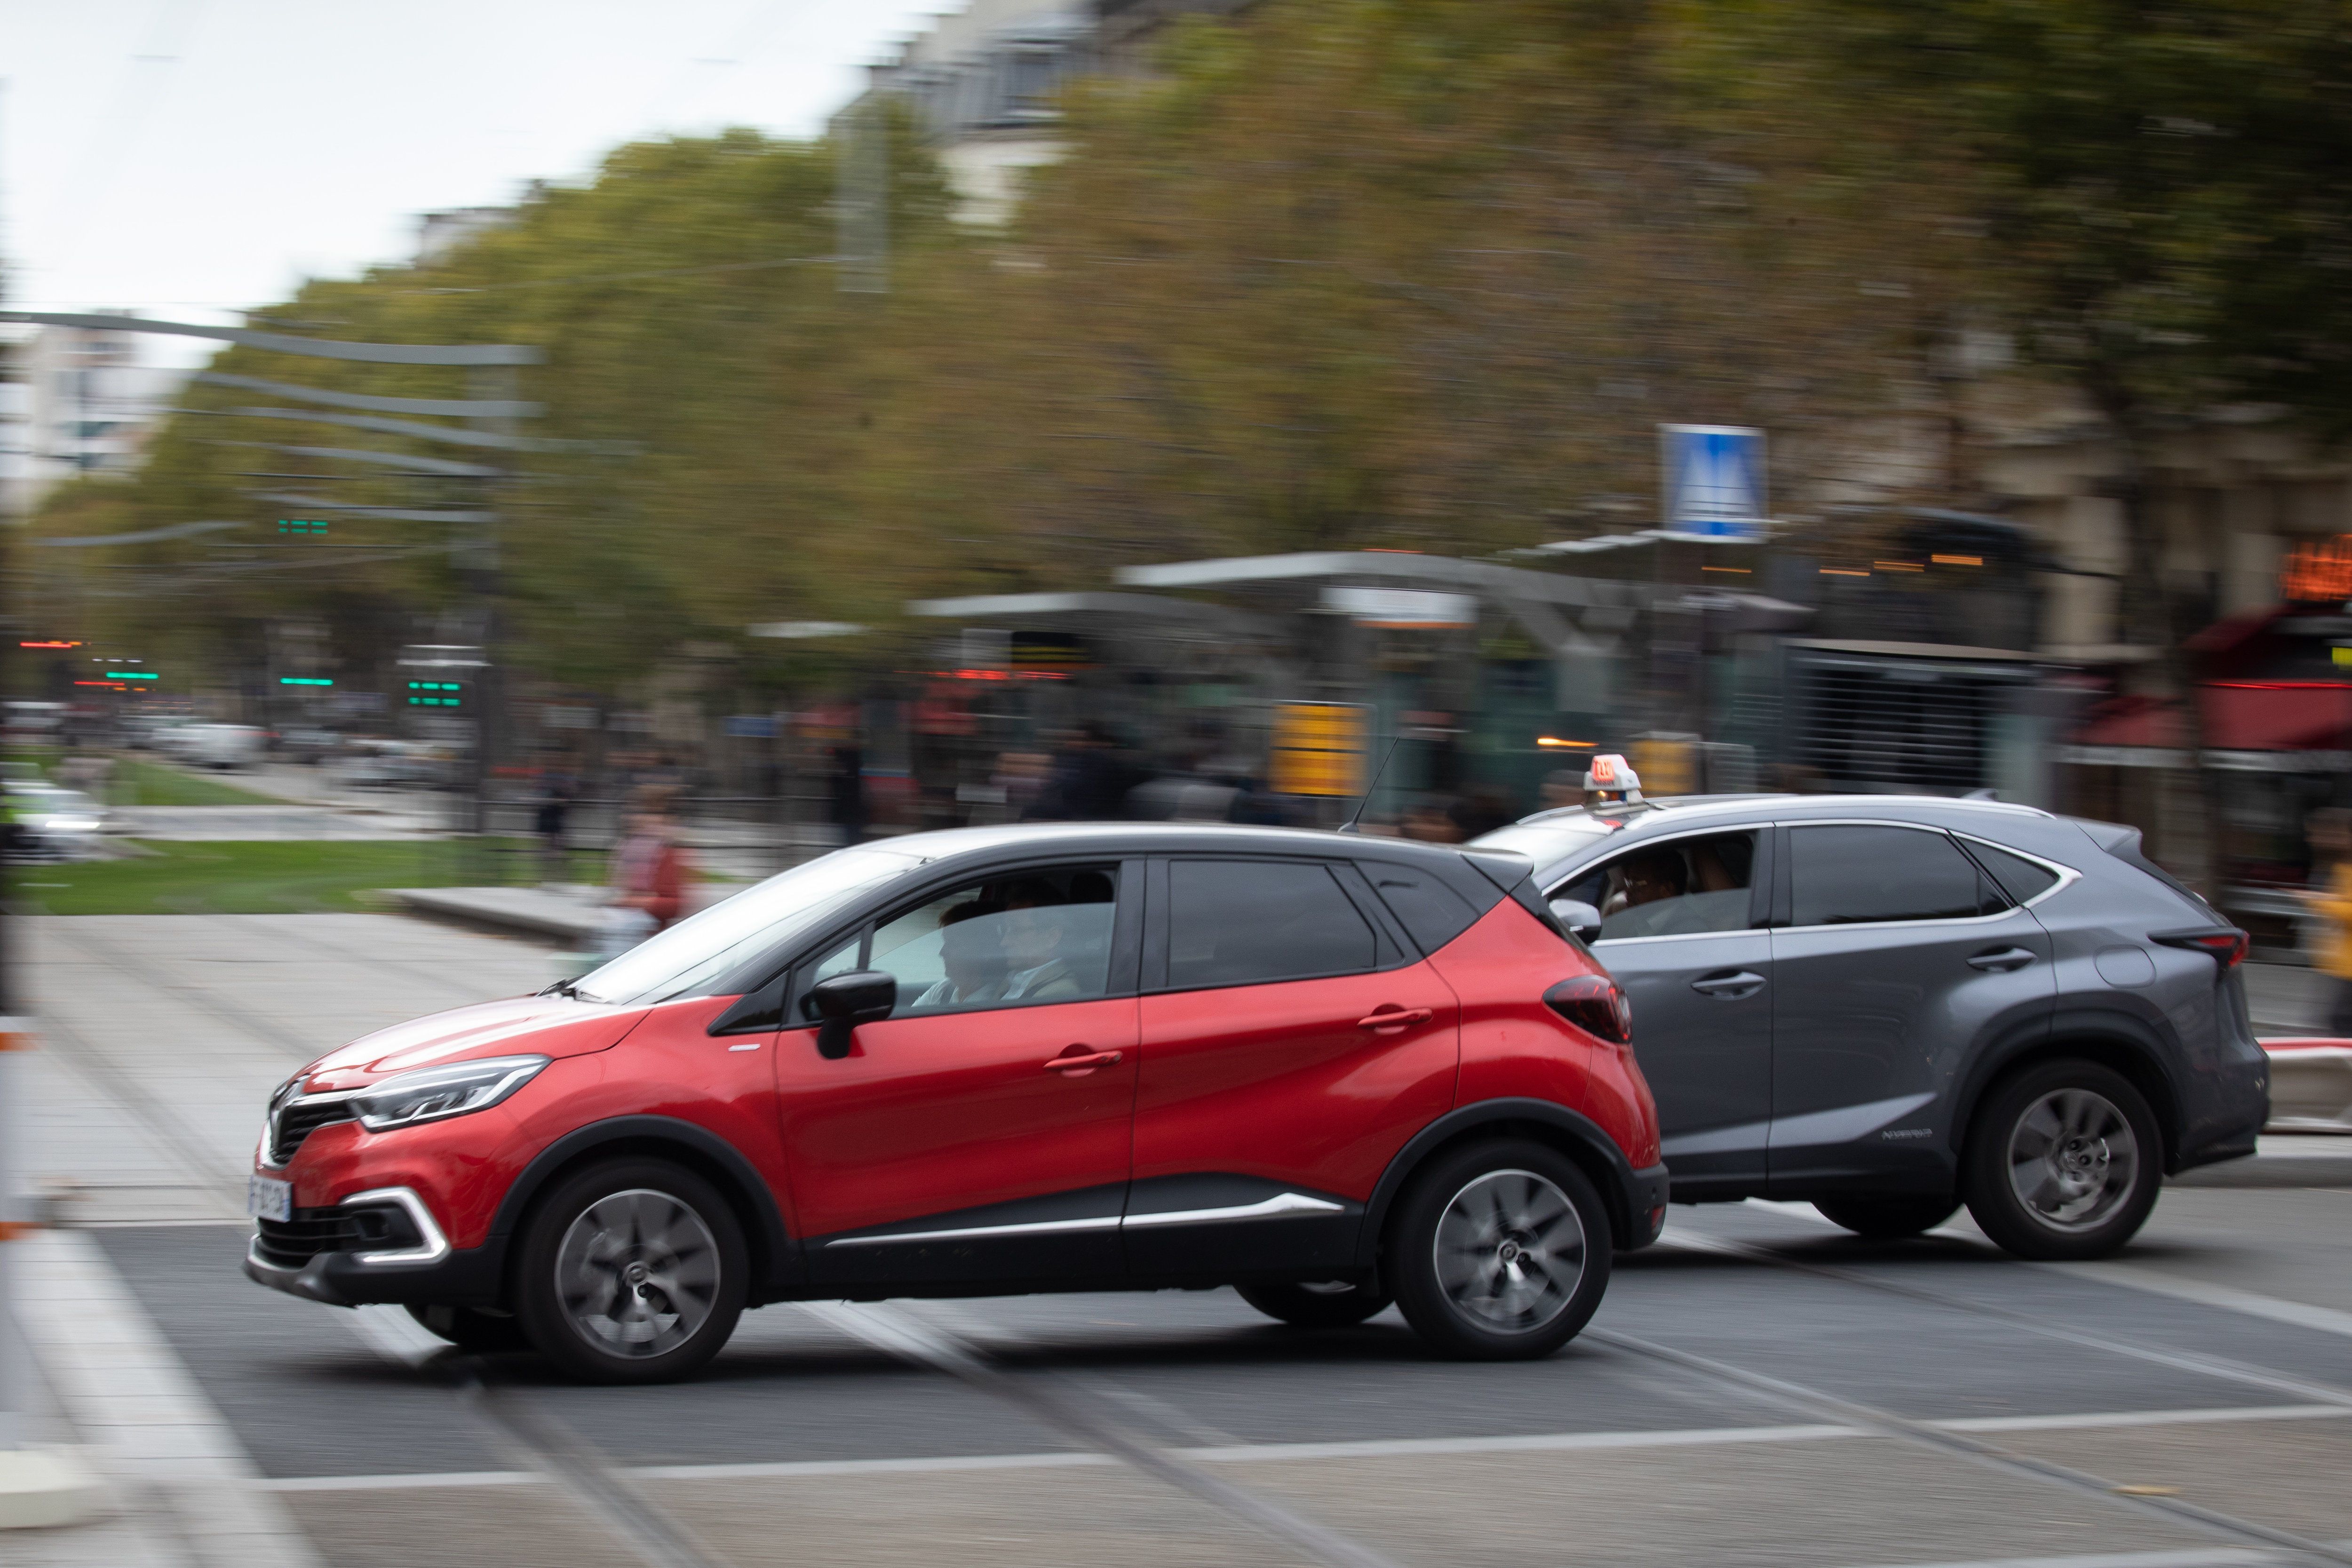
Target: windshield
x=697, y=951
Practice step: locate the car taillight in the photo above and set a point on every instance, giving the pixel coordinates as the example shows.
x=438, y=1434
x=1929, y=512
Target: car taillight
x=1594, y=1003
x=2227, y=944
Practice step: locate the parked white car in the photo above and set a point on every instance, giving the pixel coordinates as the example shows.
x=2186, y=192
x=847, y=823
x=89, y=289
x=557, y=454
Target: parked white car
x=220, y=746
x=54, y=824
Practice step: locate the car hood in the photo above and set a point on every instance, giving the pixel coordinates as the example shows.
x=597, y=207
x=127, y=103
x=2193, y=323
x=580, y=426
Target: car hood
x=546, y=1025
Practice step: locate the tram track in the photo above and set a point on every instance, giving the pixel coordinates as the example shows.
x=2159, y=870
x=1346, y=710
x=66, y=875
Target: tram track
x=1944, y=1440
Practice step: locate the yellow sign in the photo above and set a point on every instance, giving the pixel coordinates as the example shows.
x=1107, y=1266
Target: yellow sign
x=1319, y=748
x=1668, y=765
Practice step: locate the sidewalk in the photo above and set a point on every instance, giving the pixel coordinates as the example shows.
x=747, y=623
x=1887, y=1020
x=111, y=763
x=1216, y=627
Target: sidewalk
x=568, y=913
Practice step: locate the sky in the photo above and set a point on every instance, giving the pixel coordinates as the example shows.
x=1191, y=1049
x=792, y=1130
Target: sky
x=189, y=158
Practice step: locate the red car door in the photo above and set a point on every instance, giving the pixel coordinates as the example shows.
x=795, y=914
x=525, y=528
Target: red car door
x=1292, y=1044
x=982, y=1130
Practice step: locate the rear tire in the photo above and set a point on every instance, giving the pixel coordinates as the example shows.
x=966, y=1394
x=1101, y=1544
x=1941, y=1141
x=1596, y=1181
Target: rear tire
x=1499, y=1252
x=2063, y=1162
x=632, y=1271
x=1887, y=1219
x=1336, y=1305
x=471, y=1330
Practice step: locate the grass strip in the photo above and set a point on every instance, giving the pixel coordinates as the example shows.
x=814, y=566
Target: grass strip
x=278, y=877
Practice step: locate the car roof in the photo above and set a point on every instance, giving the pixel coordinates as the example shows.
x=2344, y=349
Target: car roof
x=1479, y=874
x=1576, y=827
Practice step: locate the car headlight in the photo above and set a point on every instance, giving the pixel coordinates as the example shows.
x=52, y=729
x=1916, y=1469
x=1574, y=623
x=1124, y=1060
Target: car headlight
x=430, y=1094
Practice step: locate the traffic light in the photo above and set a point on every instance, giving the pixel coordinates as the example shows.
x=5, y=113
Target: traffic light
x=303, y=681
x=300, y=525
x=436, y=694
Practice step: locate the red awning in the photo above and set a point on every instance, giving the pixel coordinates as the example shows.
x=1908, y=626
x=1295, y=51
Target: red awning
x=2239, y=716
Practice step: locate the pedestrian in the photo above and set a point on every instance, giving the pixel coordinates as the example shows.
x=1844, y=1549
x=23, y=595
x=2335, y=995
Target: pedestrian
x=649, y=874
x=1088, y=784
x=2329, y=898
x=557, y=790
x=848, y=793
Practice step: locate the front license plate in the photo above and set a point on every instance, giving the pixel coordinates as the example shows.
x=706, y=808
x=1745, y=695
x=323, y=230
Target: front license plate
x=267, y=1199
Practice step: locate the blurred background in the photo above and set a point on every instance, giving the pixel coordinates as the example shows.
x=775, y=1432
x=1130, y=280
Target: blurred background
x=1206, y=393
x=438, y=443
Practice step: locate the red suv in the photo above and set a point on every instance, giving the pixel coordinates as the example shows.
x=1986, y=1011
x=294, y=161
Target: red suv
x=1331, y=1071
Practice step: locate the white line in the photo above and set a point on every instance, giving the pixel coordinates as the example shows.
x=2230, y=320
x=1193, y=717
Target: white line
x=2194, y=1557
x=1374, y=1448
x=2302, y=1314
x=2145, y=1418
x=127, y=1394
x=394, y=1483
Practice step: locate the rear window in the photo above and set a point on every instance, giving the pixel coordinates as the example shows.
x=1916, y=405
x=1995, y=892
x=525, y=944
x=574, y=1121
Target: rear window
x=2023, y=880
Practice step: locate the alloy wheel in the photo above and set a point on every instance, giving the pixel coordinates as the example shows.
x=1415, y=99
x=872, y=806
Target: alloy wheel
x=637, y=1273
x=2073, y=1159
x=1510, y=1251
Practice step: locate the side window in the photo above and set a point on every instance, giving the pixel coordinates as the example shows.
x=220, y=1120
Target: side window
x=1017, y=940
x=2023, y=880
x=1846, y=874
x=1675, y=888
x=1434, y=913
x=1242, y=922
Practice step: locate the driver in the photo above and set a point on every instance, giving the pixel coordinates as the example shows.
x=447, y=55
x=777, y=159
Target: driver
x=973, y=957
x=1035, y=927
x=1655, y=878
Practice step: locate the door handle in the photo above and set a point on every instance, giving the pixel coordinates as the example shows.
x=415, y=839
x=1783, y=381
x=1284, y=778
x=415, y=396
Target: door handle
x=1728, y=987
x=1389, y=1020
x=2001, y=960
x=1079, y=1060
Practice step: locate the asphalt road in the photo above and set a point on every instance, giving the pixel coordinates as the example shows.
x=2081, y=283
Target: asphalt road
x=1757, y=1389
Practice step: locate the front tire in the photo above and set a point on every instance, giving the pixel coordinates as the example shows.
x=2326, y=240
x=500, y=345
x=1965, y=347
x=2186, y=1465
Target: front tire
x=1499, y=1252
x=2064, y=1163
x=1887, y=1219
x=1340, y=1304
x=632, y=1271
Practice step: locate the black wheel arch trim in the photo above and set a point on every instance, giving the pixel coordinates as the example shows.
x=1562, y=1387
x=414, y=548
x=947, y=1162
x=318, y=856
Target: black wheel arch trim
x=1622, y=1186
x=2108, y=1031
x=777, y=1264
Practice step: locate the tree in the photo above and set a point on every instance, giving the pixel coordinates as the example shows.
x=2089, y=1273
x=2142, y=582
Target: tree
x=2165, y=189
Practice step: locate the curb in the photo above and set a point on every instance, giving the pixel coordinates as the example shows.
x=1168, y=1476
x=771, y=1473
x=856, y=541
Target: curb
x=43, y=1487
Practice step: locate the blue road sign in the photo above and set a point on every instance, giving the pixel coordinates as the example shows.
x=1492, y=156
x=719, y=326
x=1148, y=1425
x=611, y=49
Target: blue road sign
x=1712, y=481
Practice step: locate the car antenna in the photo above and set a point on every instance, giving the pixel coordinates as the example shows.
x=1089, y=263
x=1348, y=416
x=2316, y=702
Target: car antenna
x=1378, y=772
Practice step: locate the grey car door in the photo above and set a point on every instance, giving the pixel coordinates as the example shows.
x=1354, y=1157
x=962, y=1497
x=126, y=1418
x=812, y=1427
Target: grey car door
x=1682, y=932
x=1895, y=957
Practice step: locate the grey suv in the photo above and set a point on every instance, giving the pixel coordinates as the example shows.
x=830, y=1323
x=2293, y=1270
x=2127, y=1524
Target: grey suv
x=1887, y=1005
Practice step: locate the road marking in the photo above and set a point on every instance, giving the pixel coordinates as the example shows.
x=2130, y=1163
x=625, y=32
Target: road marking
x=152, y=1429
x=1372, y=1449
x=2220, y=1367
x=1943, y=1438
x=2157, y=1282
x=2207, y=1557
x=2302, y=1314
x=911, y=1339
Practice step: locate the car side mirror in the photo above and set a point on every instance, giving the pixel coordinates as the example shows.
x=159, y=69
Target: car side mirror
x=845, y=1000
x=1578, y=917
